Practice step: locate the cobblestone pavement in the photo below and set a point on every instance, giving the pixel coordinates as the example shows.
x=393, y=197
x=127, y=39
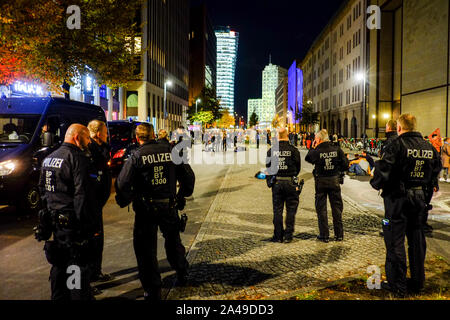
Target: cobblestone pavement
x=232, y=257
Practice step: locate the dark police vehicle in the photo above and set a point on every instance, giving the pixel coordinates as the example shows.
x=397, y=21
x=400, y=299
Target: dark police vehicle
x=30, y=129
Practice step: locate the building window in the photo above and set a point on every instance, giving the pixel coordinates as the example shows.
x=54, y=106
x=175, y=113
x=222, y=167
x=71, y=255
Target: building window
x=340, y=99
x=341, y=30
x=341, y=53
x=349, y=22
x=334, y=80
x=334, y=58
x=334, y=102
x=341, y=76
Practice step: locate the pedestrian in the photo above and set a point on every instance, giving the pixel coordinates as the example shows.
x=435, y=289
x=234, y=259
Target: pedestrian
x=436, y=140
x=163, y=138
x=224, y=141
x=149, y=180
x=445, y=160
x=65, y=187
x=391, y=134
x=284, y=166
x=100, y=156
x=330, y=163
x=408, y=168
x=257, y=139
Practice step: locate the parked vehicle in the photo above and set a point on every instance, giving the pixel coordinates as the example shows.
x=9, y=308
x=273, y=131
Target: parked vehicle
x=122, y=138
x=30, y=129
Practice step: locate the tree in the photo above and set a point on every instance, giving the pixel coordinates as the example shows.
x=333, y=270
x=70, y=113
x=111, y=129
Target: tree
x=204, y=117
x=276, y=123
x=36, y=33
x=308, y=117
x=226, y=121
x=253, y=119
x=209, y=102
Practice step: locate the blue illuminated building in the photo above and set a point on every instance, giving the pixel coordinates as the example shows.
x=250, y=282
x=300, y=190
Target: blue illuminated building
x=295, y=92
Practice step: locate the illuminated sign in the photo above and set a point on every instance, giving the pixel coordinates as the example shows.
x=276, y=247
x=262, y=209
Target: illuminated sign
x=27, y=88
x=88, y=87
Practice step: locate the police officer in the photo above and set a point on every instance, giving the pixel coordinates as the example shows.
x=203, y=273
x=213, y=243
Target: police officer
x=100, y=156
x=65, y=188
x=409, y=164
x=329, y=164
x=391, y=134
x=283, y=163
x=149, y=179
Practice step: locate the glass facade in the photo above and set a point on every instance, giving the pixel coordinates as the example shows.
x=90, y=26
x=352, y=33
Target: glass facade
x=227, y=48
x=295, y=91
x=273, y=75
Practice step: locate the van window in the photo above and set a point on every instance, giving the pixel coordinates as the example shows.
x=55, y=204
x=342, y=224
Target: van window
x=17, y=128
x=53, y=125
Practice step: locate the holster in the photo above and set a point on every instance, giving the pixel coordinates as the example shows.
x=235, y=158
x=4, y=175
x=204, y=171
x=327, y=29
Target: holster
x=271, y=180
x=56, y=254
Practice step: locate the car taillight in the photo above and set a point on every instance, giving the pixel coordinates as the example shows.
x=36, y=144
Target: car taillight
x=119, y=154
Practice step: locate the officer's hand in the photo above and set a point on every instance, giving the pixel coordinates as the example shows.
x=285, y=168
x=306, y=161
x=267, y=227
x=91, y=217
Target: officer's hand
x=436, y=189
x=121, y=201
x=181, y=203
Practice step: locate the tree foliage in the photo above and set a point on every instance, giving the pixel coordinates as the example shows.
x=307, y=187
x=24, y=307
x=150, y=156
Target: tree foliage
x=276, y=122
x=226, y=121
x=205, y=117
x=209, y=103
x=308, y=116
x=35, y=34
x=253, y=119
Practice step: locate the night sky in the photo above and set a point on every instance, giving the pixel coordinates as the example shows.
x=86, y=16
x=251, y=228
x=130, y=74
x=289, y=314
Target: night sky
x=283, y=28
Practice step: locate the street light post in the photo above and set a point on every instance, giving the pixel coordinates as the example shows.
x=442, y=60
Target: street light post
x=168, y=83
x=196, y=103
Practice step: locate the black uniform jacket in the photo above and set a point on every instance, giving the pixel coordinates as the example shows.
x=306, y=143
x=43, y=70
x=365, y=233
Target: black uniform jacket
x=100, y=155
x=328, y=160
x=150, y=173
x=284, y=162
x=65, y=186
x=408, y=161
x=390, y=136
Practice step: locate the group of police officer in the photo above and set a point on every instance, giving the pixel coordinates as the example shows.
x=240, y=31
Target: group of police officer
x=407, y=174
x=75, y=184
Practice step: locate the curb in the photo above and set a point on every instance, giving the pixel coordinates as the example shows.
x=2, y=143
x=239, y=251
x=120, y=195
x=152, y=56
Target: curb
x=212, y=212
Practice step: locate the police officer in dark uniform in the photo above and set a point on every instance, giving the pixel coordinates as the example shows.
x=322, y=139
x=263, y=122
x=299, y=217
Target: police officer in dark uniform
x=391, y=134
x=330, y=163
x=65, y=188
x=283, y=163
x=409, y=164
x=149, y=179
x=100, y=155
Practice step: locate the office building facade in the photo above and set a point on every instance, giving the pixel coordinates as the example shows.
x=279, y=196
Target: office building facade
x=295, y=94
x=254, y=105
x=272, y=76
x=164, y=66
x=281, y=109
x=227, y=49
x=334, y=71
x=409, y=65
x=202, y=53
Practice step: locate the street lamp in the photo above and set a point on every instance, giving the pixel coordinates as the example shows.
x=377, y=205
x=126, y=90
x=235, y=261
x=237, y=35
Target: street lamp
x=168, y=83
x=196, y=103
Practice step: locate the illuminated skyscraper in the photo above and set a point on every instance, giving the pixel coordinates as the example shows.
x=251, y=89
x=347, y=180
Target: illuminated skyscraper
x=273, y=75
x=227, y=47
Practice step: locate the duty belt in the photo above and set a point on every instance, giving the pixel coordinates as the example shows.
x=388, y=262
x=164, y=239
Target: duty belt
x=285, y=178
x=159, y=200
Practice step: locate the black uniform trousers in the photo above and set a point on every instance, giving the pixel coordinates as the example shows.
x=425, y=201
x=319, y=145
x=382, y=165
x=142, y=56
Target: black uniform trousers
x=284, y=192
x=406, y=215
x=145, y=243
x=329, y=187
x=62, y=257
x=97, y=245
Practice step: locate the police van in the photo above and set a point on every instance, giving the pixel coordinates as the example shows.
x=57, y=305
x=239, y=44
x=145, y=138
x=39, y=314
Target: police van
x=30, y=129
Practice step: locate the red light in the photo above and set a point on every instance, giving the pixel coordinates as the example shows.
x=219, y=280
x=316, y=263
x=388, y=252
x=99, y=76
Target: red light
x=119, y=154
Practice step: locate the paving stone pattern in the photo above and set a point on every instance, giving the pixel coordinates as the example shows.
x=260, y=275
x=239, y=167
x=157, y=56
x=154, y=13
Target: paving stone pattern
x=232, y=257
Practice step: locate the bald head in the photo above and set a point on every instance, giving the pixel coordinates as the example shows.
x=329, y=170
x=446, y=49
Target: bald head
x=283, y=134
x=77, y=135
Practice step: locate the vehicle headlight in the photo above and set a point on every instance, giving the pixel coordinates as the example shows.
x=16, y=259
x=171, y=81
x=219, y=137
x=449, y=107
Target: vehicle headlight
x=7, y=167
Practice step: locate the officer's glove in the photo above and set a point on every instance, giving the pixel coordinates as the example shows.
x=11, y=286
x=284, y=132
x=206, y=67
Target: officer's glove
x=40, y=234
x=121, y=202
x=181, y=203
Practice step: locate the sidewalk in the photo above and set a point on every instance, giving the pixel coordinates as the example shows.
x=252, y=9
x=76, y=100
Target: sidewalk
x=232, y=258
